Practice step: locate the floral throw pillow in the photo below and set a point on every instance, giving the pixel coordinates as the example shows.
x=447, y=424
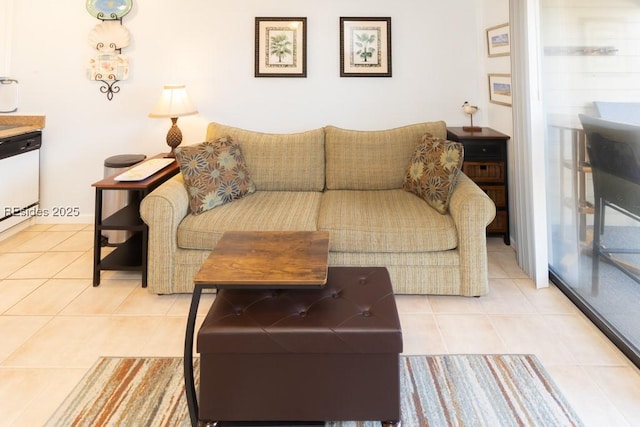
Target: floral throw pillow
x=433, y=171
x=214, y=173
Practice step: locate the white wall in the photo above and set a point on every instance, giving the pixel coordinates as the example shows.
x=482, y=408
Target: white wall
x=500, y=117
x=6, y=27
x=496, y=12
x=439, y=60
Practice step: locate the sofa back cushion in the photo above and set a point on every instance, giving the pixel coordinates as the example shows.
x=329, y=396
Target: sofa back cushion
x=372, y=160
x=279, y=162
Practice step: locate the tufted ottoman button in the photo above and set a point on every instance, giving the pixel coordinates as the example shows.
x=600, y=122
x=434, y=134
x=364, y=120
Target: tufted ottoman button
x=335, y=295
x=366, y=313
x=303, y=313
x=362, y=280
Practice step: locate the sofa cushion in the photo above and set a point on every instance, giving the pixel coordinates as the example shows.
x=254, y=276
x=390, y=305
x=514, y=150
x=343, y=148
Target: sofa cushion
x=261, y=211
x=383, y=221
x=280, y=162
x=214, y=173
x=433, y=171
x=373, y=160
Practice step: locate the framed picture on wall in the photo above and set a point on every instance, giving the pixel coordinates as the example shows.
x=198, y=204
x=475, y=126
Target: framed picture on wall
x=500, y=89
x=365, y=47
x=281, y=47
x=499, y=40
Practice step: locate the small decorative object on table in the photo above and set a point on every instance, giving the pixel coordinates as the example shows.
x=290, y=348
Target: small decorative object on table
x=470, y=110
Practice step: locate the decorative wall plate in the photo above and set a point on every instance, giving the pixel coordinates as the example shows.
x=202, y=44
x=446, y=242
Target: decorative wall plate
x=109, y=36
x=108, y=9
x=108, y=66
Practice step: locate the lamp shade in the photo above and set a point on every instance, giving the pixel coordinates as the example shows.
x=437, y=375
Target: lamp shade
x=174, y=102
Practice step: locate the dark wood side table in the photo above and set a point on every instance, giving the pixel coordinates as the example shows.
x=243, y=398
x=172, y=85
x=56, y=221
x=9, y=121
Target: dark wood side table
x=485, y=162
x=132, y=254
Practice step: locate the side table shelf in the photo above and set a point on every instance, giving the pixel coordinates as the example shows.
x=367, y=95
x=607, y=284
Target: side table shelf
x=126, y=256
x=128, y=216
x=130, y=255
x=485, y=162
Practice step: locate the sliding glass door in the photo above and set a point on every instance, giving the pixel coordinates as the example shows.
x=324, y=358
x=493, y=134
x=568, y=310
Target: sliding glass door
x=590, y=65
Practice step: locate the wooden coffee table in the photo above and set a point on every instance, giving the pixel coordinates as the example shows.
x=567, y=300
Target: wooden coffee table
x=250, y=260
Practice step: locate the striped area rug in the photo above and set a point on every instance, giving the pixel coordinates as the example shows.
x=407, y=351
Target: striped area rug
x=450, y=390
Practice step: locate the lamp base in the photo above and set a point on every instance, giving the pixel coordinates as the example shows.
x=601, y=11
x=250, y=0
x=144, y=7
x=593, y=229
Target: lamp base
x=471, y=128
x=174, y=136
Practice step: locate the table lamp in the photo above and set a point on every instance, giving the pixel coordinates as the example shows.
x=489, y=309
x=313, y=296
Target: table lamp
x=174, y=102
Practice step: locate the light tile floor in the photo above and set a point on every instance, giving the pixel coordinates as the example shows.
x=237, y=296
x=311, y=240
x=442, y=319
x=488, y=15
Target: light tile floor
x=54, y=325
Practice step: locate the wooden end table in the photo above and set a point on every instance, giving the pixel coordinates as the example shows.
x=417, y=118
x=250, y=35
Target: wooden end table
x=132, y=254
x=255, y=260
x=485, y=162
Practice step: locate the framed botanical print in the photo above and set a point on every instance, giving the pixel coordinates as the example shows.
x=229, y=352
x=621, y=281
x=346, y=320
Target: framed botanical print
x=281, y=47
x=365, y=47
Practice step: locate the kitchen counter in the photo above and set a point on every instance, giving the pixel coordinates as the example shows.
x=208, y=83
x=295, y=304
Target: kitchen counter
x=22, y=124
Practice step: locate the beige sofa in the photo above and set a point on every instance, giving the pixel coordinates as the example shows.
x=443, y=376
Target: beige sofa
x=346, y=182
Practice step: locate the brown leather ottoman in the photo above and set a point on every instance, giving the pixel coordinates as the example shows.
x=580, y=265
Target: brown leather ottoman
x=326, y=354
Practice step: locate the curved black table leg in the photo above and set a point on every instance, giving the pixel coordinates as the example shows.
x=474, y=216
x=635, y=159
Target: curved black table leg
x=189, y=382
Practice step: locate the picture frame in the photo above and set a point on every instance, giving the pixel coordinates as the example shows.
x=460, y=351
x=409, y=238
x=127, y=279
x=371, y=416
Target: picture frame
x=500, y=89
x=499, y=40
x=280, y=47
x=365, y=47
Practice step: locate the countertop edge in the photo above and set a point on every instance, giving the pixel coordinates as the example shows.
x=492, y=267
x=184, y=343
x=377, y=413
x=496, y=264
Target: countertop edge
x=24, y=124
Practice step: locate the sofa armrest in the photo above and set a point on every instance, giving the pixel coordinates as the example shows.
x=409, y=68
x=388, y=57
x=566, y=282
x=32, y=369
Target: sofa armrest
x=163, y=210
x=472, y=210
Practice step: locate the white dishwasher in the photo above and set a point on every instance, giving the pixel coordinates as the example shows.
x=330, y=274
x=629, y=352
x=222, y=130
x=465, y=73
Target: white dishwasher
x=19, y=178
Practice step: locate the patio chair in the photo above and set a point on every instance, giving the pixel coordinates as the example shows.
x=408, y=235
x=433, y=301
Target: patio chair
x=614, y=153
